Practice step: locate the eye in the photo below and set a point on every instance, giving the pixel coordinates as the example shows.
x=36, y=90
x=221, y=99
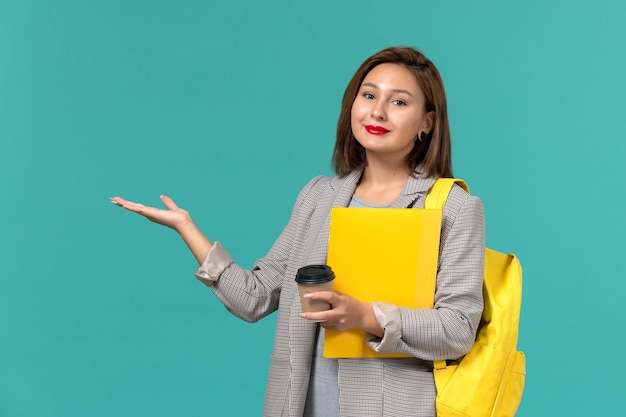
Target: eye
x=399, y=103
x=368, y=96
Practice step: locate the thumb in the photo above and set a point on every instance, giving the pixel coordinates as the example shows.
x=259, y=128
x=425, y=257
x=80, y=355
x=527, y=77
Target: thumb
x=169, y=203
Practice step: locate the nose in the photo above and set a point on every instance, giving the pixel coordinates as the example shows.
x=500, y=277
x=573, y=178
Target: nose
x=378, y=110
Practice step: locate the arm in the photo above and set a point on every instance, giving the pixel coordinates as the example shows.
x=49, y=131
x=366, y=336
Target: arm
x=174, y=218
x=249, y=294
x=449, y=329
x=253, y=294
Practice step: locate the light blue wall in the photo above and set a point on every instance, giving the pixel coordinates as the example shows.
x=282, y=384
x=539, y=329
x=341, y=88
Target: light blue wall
x=230, y=108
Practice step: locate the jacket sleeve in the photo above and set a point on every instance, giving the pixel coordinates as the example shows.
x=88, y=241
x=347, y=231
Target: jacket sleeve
x=448, y=330
x=252, y=294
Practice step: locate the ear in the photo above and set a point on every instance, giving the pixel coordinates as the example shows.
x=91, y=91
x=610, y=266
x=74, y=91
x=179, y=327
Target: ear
x=429, y=121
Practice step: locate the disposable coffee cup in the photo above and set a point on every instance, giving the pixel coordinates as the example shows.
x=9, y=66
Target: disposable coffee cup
x=313, y=278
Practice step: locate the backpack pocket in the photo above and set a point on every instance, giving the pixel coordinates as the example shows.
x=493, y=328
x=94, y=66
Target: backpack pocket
x=474, y=384
x=512, y=394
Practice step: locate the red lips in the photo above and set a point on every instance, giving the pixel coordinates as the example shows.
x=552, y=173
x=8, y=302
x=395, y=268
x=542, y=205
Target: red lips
x=376, y=130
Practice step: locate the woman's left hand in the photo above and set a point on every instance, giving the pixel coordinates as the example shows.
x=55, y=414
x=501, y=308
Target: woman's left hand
x=345, y=313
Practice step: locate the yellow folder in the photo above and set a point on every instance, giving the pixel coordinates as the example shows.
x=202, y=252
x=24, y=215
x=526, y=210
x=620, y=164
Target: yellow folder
x=386, y=255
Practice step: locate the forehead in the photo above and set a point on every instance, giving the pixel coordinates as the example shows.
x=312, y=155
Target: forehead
x=393, y=77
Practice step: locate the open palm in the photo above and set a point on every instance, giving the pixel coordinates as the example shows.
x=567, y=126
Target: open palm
x=173, y=217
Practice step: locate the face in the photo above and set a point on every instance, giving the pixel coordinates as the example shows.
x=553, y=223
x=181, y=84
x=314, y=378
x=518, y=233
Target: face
x=388, y=112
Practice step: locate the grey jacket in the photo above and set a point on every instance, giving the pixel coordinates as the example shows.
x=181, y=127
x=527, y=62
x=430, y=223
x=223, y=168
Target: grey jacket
x=368, y=387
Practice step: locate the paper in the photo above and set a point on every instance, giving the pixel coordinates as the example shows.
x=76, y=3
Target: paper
x=386, y=255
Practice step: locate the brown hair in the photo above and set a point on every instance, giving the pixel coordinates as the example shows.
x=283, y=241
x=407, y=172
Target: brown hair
x=435, y=152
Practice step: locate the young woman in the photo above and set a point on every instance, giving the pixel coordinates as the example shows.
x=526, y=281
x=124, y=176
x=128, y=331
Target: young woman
x=393, y=142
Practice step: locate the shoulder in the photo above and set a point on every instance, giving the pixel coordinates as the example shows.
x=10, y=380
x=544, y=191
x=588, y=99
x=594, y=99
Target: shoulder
x=315, y=185
x=314, y=190
x=458, y=196
x=461, y=204
x=318, y=182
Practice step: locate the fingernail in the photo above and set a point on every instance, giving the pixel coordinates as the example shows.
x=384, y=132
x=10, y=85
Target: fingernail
x=114, y=202
x=308, y=295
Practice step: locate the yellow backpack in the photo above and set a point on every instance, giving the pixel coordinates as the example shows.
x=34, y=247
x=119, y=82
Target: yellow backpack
x=489, y=380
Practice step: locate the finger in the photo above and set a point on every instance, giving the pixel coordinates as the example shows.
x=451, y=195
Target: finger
x=328, y=326
x=119, y=201
x=315, y=316
x=328, y=296
x=169, y=203
x=135, y=207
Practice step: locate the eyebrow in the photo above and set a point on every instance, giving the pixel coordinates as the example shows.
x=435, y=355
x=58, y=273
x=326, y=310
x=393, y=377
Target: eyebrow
x=394, y=90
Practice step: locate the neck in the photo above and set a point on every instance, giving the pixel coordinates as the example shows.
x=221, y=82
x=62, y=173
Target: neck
x=385, y=172
x=382, y=181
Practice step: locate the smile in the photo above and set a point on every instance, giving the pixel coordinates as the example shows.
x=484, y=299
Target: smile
x=376, y=130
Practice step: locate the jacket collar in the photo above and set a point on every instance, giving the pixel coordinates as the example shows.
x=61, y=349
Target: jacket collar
x=416, y=187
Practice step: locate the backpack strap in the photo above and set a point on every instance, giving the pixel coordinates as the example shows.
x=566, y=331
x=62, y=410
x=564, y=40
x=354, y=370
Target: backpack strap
x=436, y=199
x=438, y=193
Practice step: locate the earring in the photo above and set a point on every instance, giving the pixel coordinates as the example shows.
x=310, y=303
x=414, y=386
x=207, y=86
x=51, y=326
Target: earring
x=423, y=136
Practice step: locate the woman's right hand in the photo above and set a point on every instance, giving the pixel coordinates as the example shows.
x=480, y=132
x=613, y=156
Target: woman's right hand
x=174, y=217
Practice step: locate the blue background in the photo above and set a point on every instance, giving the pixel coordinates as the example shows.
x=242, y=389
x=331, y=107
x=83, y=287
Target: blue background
x=230, y=107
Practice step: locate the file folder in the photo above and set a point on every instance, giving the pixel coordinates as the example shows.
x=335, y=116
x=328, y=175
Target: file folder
x=385, y=255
